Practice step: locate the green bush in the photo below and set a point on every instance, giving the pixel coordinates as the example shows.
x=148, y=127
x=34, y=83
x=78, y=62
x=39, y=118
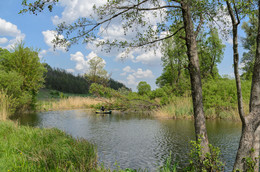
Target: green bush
x=221, y=94
x=21, y=75
x=211, y=162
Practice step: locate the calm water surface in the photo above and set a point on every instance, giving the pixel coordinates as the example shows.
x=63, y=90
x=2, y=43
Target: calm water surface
x=137, y=142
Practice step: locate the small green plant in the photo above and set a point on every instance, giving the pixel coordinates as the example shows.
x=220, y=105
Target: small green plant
x=250, y=163
x=198, y=163
x=169, y=166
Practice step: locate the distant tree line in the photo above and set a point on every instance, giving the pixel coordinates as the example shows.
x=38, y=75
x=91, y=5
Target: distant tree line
x=61, y=80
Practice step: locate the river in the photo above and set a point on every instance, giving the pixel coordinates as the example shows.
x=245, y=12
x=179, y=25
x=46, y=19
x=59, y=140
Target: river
x=134, y=141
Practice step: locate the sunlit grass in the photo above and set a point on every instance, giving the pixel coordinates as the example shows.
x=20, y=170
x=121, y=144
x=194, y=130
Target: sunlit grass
x=69, y=103
x=180, y=107
x=34, y=149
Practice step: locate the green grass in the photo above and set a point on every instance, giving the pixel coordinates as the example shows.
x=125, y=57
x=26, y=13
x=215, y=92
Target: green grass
x=34, y=149
x=47, y=94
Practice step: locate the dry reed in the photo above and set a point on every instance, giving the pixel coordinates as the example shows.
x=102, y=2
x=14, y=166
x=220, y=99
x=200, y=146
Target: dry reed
x=71, y=103
x=180, y=107
x=4, y=106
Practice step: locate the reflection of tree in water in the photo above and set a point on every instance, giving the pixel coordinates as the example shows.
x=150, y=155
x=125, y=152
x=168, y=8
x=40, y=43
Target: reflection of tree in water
x=30, y=119
x=174, y=136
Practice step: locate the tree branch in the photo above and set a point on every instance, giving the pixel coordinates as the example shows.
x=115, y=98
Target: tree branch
x=157, y=40
x=199, y=26
x=150, y=9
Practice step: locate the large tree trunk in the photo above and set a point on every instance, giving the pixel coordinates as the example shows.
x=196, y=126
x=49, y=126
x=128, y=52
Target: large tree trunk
x=196, y=86
x=249, y=141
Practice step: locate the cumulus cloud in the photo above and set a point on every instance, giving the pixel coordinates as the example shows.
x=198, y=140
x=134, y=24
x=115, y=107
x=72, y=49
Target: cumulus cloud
x=135, y=76
x=75, y=9
x=49, y=36
x=82, y=61
x=11, y=31
x=42, y=53
x=70, y=70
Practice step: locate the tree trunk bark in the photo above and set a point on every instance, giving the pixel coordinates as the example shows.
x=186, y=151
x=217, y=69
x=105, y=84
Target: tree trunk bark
x=249, y=141
x=195, y=77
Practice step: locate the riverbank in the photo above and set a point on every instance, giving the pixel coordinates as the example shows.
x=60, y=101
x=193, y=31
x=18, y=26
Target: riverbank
x=178, y=108
x=34, y=149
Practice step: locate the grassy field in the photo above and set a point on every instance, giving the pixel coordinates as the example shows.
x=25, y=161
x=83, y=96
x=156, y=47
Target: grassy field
x=33, y=149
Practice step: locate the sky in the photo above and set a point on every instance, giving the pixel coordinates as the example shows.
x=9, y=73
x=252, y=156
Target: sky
x=37, y=31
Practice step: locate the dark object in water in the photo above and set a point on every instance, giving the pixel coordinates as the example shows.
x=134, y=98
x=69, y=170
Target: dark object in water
x=104, y=112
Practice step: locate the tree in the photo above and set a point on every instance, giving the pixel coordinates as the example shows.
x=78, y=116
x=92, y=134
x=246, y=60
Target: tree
x=175, y=72
x=143, y=88
x=249, y=43
x=211, y=52
x=249, y=142
x=96, y=72
x=21, y=75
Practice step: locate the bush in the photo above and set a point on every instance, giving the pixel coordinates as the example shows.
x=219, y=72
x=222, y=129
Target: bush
x=221, y=94
x=21, y=75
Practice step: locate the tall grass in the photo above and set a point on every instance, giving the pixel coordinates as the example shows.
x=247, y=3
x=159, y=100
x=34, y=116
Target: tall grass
x=5, y=106
x=69, y=103
x=180, y=107
x=33, y=149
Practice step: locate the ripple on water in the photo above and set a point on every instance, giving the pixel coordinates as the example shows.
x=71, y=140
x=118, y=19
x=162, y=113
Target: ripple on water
x=138, y=142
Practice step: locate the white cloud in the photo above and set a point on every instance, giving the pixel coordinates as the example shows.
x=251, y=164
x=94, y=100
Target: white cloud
x=131, y=80
x=70, y=70
x=81, y=61
x=75, y=9
x=49, y=36
x=140, y=74
x=3, y=40
x=128, y=69
x=8, y=29
x=135, y=76
x=42, y=53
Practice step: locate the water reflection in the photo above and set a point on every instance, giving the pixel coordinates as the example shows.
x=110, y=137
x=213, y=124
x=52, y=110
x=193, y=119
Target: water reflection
x=135, y=141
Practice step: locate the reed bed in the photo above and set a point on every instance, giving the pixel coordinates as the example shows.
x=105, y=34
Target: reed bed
x=180, y=107
x=70, y=103
x=5, y=105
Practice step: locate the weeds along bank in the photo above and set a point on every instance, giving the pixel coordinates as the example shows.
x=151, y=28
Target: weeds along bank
x=34, y=149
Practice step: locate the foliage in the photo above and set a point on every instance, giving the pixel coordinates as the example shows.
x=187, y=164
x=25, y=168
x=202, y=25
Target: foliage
x=61, y=80
x=210, y=162
x=221, y=93
x=211, y=53
x=35, y=149
x=21, y=75
x=169, y=166
x=250, y=163
x=143, y=88
x=101, y=91
x=249, y=43
x=96, y=72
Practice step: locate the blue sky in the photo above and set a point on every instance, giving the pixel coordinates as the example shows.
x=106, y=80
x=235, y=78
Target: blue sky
x=37, y=32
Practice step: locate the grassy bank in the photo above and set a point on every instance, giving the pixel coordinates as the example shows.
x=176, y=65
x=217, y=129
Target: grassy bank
x=181, y=107
x=33, y=149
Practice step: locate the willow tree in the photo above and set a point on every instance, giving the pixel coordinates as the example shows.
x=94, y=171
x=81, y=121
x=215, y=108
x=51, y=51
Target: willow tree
x=133, y=18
